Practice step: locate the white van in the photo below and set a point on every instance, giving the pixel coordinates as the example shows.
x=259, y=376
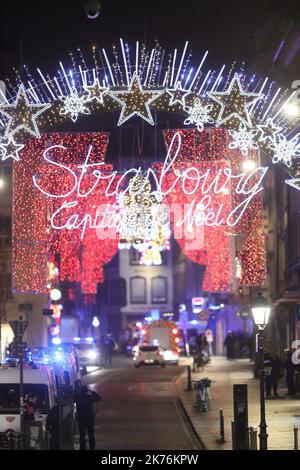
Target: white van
x=39, y=382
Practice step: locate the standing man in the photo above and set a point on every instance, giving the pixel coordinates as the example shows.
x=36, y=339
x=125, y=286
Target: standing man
x=108, y=349
x=290, y=374
x=85, y=400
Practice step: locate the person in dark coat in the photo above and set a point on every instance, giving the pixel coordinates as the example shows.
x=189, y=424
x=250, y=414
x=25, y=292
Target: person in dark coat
x=85, y=400
x=290, y=374
x=275, y=365
x=52, y=426
x=230, y=344
x=108, y=350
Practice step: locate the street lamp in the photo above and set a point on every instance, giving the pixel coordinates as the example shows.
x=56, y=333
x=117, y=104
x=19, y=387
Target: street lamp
x=261, y=313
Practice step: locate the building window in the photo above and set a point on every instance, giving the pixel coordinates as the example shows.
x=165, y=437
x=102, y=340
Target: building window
x=159, y=290
x=138, y=290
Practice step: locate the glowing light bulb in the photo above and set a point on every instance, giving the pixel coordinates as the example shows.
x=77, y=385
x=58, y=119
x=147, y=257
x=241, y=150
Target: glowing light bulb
x=248, y=165
x=291, y=110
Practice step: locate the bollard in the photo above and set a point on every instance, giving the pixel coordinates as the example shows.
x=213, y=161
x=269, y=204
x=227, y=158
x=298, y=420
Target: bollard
x=189, y=379
x=296, y=447
x=221, y=439
x=253, y=438
x=233, y=435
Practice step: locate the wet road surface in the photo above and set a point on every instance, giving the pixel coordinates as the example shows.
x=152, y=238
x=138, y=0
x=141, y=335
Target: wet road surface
x=140, y=409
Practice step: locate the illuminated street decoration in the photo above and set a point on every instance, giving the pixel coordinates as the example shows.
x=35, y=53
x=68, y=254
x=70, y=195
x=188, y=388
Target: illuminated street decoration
x=285, y=151
x=22, y=115
x=74, y=202
x=35, y=242
x=198, y=114
x=235, y=103
x=268, y=131
x=243, y=140
x=212, y=245
x=177, y=95
x=151, y=81
x=10, y=149
x=137, y=224
x=74, y=105
x=151, y=249
x=96, y=91
x=135, y=101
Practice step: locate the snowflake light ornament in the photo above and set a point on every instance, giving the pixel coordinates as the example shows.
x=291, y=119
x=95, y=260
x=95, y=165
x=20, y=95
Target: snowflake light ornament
x=74, y=104
x=285, y=151
x=243, y=139
x=198, y=114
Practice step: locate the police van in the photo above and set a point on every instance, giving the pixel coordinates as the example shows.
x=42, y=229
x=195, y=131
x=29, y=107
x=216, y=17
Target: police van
x=39, y=382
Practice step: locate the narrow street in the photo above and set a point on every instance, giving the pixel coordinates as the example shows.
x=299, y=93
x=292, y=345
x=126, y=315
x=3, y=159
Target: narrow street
x=140, y=409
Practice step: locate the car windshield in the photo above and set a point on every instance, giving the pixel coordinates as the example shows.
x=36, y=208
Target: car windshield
x=10, y=396
x=149, y=348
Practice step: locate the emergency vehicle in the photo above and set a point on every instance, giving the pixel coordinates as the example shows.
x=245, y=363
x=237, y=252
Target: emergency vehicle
x=163, y=333
x=38, y=381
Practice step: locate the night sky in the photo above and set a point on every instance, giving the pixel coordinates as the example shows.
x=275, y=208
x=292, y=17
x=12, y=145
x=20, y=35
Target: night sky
x=49, y=29
x=40, y=34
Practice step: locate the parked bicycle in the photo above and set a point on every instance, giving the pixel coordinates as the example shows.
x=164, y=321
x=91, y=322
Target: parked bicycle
x=203, y=396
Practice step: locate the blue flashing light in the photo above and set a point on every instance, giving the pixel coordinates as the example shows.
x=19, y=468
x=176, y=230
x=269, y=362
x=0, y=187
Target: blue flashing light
x=56, y=340
x=194, y=322
x=214, y=307
x=76, y=338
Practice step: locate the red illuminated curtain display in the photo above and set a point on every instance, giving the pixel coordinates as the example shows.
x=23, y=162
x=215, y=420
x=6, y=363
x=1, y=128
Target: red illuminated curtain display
x=35, y=243
x=218, y=247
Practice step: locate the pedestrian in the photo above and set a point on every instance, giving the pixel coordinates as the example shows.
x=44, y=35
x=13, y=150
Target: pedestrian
x=198, y=362
x=52, y=426
x=275, y=373
x=108, y=350
x=85, y=400
x=290, y=374
x=229, y=344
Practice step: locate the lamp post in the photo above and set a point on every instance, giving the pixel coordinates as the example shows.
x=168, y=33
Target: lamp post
x=261, y=312
x=19, y=328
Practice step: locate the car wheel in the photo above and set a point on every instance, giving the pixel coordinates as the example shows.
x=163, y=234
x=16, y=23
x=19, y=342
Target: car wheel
x=163, y=364
x=136, y=366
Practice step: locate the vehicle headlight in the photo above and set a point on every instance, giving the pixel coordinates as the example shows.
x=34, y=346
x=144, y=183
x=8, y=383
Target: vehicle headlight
x=92, y=354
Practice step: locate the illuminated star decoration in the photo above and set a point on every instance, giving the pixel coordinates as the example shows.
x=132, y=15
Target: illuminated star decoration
x=198, y=114
x=235, y=102
x=135, y=101
x=22, y=114
x=268, y=131
x=74, y=104
x=285, y=150
x=177, y=95
x=95, y=91
x=293, y=183
x=243, y=140
x=10, y=149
